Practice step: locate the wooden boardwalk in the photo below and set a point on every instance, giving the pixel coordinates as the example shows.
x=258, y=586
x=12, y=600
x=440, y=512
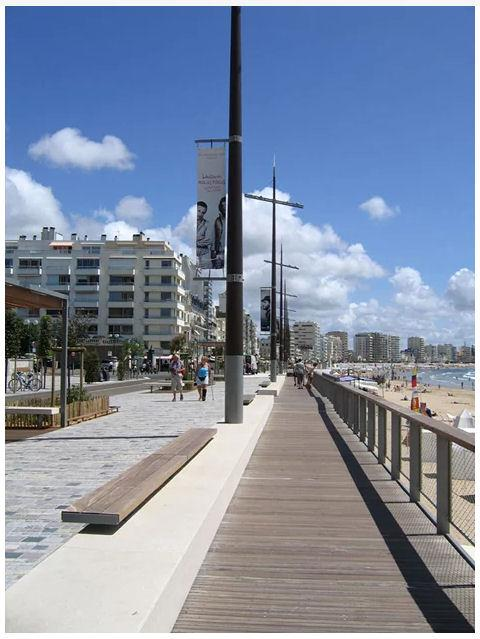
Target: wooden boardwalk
x=317, y=538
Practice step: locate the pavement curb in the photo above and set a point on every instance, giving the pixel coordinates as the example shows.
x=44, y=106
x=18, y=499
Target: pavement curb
x=137, y=579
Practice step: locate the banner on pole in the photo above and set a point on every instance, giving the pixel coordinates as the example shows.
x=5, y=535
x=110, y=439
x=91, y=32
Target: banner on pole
x=211, y=208
x=265, y=301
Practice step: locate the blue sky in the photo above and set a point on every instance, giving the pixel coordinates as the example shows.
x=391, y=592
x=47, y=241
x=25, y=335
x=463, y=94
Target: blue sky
x=356, y=103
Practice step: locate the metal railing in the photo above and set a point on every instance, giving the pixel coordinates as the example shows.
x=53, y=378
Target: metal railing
x=433, y=461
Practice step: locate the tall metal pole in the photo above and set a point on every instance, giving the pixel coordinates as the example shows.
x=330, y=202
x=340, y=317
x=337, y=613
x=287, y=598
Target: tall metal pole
x=273, y=299
x=280, y=359
x=64, y=365
x=234, y=301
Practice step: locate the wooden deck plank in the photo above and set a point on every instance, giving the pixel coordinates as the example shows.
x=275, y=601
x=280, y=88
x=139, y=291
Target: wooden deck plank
x=318, y=538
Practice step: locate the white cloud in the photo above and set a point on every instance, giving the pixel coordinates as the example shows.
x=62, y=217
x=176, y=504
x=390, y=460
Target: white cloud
x=461, y=290
x=378, y=209
x=412, y=293
x=133, y=209
x=69, y=148
x=29, y=206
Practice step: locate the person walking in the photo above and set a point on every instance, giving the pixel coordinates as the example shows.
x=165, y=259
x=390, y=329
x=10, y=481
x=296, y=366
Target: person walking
x=176, y=372
x=299, y=372
x=202, y=378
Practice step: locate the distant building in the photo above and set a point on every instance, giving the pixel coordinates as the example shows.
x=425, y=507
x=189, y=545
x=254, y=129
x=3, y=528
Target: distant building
x=466, y=354
x=447, y=353
x=306, y=336
x=377, y=347
x=416, y=346
x=343, y=336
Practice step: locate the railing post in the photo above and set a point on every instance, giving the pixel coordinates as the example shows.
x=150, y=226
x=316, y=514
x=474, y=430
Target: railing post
x=371, y=426
x=363, y=418
x=382, y=434
x=443, y=485
x=396, y=446
x=415, y=460
x=356, y=413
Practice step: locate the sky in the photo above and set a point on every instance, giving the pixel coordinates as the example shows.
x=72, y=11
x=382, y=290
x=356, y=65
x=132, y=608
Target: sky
x=369, y=112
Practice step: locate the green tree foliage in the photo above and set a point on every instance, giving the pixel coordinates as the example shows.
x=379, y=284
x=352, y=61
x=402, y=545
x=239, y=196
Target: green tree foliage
x=13, y=334
x=45, y=337
x=30, y=334
x=92, y=366
x=121, y=370
x=178, y=343
x=133, y=348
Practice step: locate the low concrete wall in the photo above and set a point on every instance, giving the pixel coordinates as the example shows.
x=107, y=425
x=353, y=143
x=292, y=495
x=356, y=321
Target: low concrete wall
x=136, y=578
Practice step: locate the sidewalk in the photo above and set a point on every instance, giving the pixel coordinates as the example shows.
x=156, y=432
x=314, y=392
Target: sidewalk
x=46, y=473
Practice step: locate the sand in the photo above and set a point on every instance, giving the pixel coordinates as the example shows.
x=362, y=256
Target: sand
x=440, y=400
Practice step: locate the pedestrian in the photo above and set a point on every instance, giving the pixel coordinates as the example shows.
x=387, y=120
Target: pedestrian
x=176, y=372
x=202, y=378
x=299, y=372
x=309, y=371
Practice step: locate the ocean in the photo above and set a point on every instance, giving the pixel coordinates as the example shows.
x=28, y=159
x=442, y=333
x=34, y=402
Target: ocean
x=450, y=377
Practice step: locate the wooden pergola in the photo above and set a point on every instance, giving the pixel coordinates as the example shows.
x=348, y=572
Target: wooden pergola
x=17, y=296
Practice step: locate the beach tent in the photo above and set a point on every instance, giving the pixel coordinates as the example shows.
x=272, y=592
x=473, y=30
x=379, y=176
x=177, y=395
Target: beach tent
x=465, y=420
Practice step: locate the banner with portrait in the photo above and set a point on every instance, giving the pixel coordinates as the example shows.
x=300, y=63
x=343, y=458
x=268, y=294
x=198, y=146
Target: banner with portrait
x=265, y=301
x=211, y=208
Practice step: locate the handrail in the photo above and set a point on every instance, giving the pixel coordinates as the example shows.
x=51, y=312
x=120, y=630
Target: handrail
x=451, y=459
x=454, y=434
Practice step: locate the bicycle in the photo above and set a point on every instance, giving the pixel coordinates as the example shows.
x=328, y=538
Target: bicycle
x=25, y=382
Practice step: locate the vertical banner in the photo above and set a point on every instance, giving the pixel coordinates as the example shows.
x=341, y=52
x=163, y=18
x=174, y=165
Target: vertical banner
x=211, y=208
x=265, y=301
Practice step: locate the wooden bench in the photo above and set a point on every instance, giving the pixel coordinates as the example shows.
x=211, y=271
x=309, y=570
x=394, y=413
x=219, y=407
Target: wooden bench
x=264, y=384
x=118, y=498
x=40, y=411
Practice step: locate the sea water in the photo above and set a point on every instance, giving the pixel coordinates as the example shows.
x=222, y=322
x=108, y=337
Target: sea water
x=449, y=377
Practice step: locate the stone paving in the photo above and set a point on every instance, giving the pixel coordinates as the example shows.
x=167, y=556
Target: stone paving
x=45, y=474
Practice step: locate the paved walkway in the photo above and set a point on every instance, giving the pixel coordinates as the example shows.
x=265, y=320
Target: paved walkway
x=46, y=473
x=318, y=538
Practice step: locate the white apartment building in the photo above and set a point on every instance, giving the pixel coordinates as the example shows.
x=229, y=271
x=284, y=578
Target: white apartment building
x=125, y=288
x=377, y=347
x=343, y=335
x=306, y=339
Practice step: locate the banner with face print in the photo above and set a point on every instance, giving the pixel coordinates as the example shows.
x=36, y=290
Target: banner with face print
x=265, y=299
x=211, y=208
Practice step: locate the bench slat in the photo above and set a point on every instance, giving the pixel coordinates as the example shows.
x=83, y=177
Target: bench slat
x=32, y=410
x=119, y=497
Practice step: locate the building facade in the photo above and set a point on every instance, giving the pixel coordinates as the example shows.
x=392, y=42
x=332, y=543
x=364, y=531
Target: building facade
x=123, y=288
x=377, y=347
x=306, y=339
x=343, y=336
x=416, y=346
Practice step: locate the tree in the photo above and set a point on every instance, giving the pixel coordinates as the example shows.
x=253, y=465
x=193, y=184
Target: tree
x=178, y=342
x=30, y=334
x=92, y=366
x=13, y=337
x=13, y=334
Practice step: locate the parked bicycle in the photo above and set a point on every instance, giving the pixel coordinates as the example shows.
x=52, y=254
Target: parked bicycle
x=25, y=382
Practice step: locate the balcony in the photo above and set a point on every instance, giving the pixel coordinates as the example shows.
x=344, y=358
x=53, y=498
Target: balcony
x=87, y=286
x=121, y=287
x=29, y=270
x=87, y=271
x=90, y=303
x=121, y=304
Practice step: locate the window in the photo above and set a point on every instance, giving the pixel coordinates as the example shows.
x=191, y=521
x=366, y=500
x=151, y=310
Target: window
x=165, y=296
x=10, y=249
x=121, y=329
x=87, y=280
x=91, y=250
x=62, y=250
x=88, y=263
x=122, y=280
x=92, y=329
x=29, y=263
x=165, y=312
x=147, y=295
x=120, y=312
x=58, y=280
x=165, y=345
x=166, y=263
x=53, y=312
x=166, y=279
x=9, y=262
x=121, y=296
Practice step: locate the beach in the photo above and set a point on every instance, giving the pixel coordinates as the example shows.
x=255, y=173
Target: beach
x=443, y=401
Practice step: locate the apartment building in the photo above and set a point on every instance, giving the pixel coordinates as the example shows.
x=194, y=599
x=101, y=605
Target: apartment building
x=123, y=288
x=306, y=339
x=343, y=336
x=416, y=346
x=377, y=347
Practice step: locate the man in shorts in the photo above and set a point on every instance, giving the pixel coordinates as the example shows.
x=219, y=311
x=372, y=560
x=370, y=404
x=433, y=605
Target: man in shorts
x=176, y=373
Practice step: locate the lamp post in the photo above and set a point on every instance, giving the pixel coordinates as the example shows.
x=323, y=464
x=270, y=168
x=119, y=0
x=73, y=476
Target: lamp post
x=234, y=296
